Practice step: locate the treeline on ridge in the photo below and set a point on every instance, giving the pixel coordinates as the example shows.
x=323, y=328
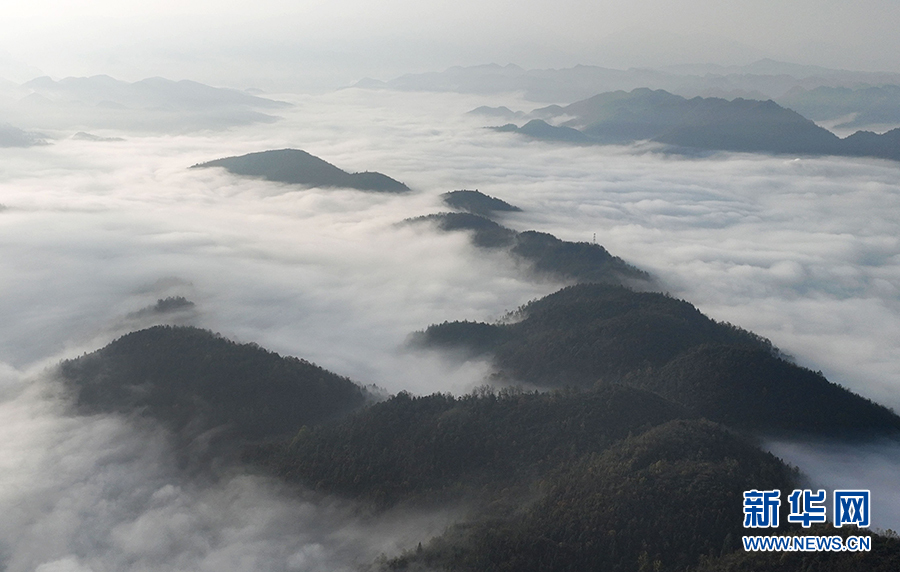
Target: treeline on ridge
x=590, y=333
x=547, y=255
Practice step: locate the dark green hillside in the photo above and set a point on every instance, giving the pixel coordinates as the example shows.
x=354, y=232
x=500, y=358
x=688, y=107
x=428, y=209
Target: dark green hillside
x=477, y=203
x=193, y=381
x=662, y=500
x=585, y=333
x=435, y=446
x=300, y=168
x=549, y=256
x=751, y=388
x=593, y=333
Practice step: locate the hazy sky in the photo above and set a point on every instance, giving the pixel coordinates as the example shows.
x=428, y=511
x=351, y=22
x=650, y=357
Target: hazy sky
x=318, y=43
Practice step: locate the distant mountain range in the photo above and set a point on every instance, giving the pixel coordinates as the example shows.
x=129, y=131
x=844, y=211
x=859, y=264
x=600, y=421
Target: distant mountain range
x=298, y=167
x=846, y=107
x=764, y=79
x=152, y=105
x=699, y=123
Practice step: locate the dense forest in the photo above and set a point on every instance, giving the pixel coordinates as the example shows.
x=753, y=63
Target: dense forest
x=633, y=457
x=595, y=333
x=213, y=395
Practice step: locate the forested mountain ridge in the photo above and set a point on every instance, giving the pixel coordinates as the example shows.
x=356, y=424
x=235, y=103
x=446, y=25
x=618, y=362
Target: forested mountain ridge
x=440, y=447
x=193, y=381
x=297, y=167
x=547, y=255
x=590, y=333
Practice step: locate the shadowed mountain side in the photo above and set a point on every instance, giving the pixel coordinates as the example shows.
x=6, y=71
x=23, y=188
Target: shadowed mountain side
x=297, y=167
x=477, y=203
x=593, y=333
x=579, y=261
x=200, y=385
x=440, y=447
x=662, y=500
x=501, y=112
x=539, y=129
x=14, y=137
x=710, y=124
x=871, y=105
x=868, y=144
x=751, y=388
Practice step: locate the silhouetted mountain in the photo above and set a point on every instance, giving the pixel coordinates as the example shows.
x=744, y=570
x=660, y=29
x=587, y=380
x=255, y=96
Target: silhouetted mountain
x=593, y=333
x=213, y=394
x=300, y=168
x=540, y=129
x=868, y=144
x=83, y=136
x=14, y=137
x=879, y=105
x=501, y=112
x=579, y=261
x=710, y=124
x=477, y=203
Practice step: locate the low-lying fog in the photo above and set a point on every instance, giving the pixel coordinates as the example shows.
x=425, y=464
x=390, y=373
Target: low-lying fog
x=802, y=250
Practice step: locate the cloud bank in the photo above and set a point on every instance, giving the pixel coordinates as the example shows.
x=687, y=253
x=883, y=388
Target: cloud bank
x=801, y=250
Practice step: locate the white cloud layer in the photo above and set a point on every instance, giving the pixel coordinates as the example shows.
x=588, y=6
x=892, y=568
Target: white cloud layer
x=803, y=251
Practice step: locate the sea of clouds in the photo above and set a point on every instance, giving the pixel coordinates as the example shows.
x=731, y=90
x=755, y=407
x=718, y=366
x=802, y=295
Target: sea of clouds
x=801, y=250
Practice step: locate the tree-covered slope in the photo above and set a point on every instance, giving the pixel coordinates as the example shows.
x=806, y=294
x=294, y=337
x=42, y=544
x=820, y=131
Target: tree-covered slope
x=592, y=333
x=300, y=168
x=547, y=255
x=661, y=500
x=440, y=446
x=193, y=381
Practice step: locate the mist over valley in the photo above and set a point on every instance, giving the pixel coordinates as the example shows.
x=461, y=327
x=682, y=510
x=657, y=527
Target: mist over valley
x=354, y=329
